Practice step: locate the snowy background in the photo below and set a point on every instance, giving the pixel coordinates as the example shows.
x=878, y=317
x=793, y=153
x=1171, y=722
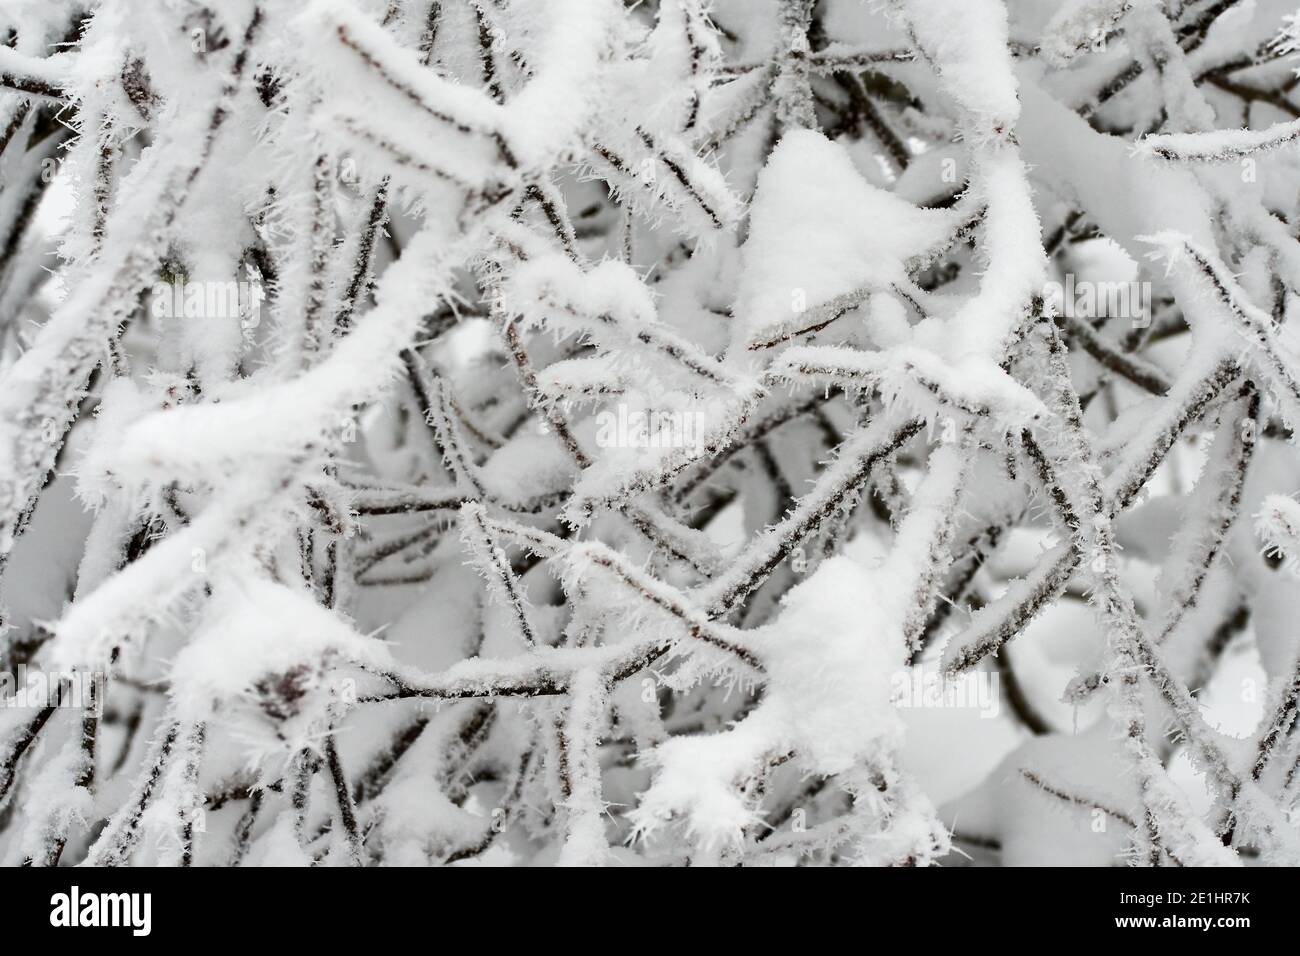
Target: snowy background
x=693, y=432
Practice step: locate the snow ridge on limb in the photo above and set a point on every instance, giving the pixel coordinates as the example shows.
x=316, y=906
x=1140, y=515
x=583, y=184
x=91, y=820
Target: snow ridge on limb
x=33, y=77
x=1277, y=367
x=1081, y=26
x=1220, y=146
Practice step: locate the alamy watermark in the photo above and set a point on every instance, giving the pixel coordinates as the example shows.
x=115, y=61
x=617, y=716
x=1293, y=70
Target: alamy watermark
x=28, y=687
x=625, y=427
x=1085, y=299
x=210, y=300
x=132, y=911
x=917, y=688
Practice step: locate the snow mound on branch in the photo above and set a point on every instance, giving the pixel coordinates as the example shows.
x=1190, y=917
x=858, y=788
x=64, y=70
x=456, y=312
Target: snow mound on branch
x=529, y=465
x=1080, y=26
x=568, y=65
x=818, y=230
x=967, y=41
x=554, y=289
x=266, y=642
x=829, y=658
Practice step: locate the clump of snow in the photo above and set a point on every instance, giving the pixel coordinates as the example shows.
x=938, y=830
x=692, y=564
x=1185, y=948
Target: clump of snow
x=828, y=658
x=818, y=230
x=273, y=655
x=967, y=43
